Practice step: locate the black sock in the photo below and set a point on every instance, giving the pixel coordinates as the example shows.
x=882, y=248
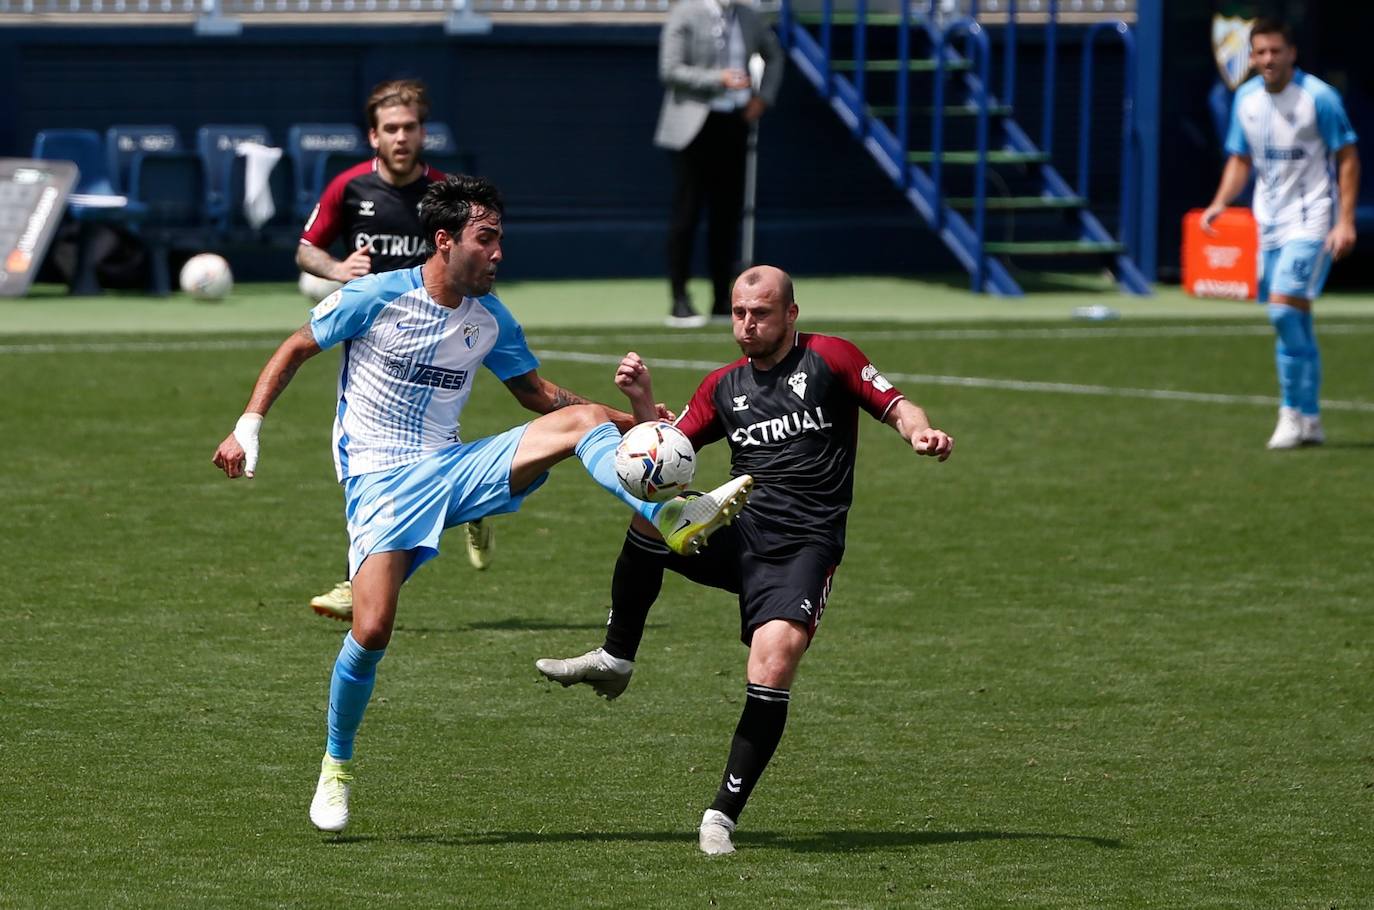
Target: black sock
x=634, y=588
x=756, y=738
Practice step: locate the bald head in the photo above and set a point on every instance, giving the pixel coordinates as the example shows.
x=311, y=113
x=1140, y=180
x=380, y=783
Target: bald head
x=763, y=312
x=764, y=281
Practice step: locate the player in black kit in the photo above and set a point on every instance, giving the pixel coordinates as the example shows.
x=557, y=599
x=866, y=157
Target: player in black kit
x=789, y=409
x=375, y=205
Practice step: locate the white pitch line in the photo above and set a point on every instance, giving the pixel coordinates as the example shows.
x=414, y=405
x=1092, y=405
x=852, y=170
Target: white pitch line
x=978, y=382
x=989, y=334
x=632, y=337
x=1012, y=385
x=139, y=347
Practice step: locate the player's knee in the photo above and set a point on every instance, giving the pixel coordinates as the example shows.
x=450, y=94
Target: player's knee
x=373, y=634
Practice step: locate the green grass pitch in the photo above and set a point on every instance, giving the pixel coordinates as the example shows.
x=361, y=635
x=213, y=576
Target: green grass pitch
x=1112, y=654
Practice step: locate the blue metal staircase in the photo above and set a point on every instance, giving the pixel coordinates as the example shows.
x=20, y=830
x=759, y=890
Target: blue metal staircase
x=940, y=151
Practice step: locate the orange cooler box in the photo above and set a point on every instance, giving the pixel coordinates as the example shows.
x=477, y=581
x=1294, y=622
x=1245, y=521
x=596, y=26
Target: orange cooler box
x=1223, y=263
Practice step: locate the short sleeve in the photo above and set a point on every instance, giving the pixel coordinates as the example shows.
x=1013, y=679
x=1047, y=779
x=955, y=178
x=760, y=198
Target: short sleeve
x=1332, y=122
x=511, y=355
x=870, y=388
x=326, y=220
x=699, y=419
x=1236, y=143
x=348, y=312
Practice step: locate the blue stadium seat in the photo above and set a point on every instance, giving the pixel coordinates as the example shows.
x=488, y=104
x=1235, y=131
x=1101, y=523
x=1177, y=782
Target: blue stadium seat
x=329, y=166
x=122, y=142
x=306, y=145
x=169, y=188
x=82, y=147
x=441, y=150
x=439, y=139
x=87, y=151
x=215, y=143
x=284, y=227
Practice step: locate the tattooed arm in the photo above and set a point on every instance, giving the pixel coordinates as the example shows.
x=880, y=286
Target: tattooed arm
x=537, y=394
x=231, y=456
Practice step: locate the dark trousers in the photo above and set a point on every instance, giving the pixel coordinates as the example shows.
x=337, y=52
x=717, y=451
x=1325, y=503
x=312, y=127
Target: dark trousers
x=709, y=172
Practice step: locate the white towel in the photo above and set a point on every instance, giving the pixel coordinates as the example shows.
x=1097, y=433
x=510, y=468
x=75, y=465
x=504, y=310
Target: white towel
x=258, y=207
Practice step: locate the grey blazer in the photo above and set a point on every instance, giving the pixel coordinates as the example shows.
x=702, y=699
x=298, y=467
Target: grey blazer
x=687, y=67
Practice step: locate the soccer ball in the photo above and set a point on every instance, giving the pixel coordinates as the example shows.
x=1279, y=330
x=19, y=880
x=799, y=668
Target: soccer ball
x=206, y=276
x=316, y=288
x=655, y=461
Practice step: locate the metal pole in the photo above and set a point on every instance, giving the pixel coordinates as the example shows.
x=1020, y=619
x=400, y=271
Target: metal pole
x=751, y=172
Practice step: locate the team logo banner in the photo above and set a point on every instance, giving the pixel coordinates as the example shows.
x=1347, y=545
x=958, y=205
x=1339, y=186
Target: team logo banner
x=1231, y=48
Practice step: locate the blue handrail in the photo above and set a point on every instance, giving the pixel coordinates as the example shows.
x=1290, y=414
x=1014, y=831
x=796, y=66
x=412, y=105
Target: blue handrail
x=1047, y=115
x=1122, y=31
x=860, y=63
x=1009, y=57
x=978, y=38
x=903, y=90
x=827, y=14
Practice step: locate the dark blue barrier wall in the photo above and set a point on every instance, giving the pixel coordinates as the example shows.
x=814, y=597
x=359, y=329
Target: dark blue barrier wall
x=561, y=118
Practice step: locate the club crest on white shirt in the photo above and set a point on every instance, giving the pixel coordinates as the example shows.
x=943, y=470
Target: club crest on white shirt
x=396, y=365
x=798, y=383
x=470, y=333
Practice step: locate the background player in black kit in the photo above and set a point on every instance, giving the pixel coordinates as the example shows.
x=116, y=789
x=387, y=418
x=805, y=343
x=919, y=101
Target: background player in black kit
x=789, y=409
x=375, y=207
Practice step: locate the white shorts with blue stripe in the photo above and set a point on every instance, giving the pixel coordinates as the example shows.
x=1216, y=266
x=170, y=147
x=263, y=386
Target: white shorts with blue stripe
x=409, y=506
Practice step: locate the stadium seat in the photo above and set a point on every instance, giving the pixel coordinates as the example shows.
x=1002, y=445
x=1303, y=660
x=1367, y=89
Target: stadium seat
x=439, y=139
x=169, y=187
x=215, y=143
x=329, y=166
x=85, y=149
x=122, y=142
x=441, y=150
x=284, y=226
x=306, y=144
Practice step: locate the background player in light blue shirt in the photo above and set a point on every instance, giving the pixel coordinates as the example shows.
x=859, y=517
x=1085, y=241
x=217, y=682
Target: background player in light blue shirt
x=1288, y=127
x=412, y=342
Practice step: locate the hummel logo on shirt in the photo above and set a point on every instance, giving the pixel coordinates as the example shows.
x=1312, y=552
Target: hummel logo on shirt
x=365, y=208
x=741, y=403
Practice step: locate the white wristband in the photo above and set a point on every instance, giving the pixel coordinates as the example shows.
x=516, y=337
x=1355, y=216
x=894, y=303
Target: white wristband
x=246, y=433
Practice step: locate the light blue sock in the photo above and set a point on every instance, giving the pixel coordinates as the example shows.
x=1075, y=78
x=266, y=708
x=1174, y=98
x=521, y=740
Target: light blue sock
x=1309, y=399
x=350, y=689
x=1290, y=351
x=597, y=451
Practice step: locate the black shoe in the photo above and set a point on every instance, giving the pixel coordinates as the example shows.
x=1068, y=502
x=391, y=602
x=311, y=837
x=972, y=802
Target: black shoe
x=683, y=316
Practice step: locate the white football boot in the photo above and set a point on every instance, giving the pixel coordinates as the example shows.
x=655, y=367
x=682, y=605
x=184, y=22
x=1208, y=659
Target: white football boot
x=713, y=837
x=329, y=808
x=1312, y=432
x=1288, y=432
x=607, y=675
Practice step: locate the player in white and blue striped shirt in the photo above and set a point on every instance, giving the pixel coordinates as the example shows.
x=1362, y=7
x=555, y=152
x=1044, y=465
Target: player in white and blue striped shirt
x=1289, y=127
x=413, y=340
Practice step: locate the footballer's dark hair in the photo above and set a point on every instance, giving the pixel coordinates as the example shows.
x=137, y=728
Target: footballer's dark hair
x=410, y=92
x=1267, y=26
x=448, y=204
